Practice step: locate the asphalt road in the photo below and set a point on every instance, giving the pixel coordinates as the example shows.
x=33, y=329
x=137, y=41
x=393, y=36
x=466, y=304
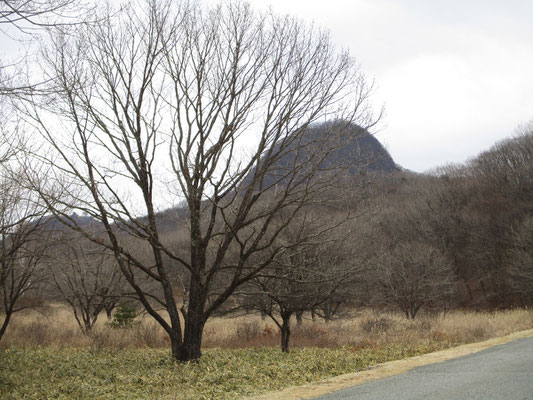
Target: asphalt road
x=503, y=372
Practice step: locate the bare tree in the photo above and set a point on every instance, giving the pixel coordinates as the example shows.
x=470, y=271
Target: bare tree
x=86, y=276
x=211, y=106
x=413, y=275
x=312, y=272
x=21, y=248
x=20, y=213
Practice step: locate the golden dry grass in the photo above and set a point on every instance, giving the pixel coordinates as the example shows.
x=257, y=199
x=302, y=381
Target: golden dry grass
x=56, y=327
x=372, y=329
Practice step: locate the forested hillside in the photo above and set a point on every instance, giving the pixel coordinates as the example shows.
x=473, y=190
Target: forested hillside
x=470, y=225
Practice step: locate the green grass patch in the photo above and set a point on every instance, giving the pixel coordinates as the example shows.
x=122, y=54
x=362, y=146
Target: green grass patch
x=77, y=373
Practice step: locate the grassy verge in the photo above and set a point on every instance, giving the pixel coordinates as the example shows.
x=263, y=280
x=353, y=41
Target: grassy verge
x=70, y=373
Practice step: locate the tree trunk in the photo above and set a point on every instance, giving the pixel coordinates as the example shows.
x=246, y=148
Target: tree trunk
x=192, y=339
x=194, y=324
x=326, y=311
x=299, y=319
x=188, y=349
x=285, y=333
x=195, y=318
x=5, y=324
x=413, y=310
x=469, y=290
x=485, y=296
x=109, y=310
x=175, y=346
x=87, y=321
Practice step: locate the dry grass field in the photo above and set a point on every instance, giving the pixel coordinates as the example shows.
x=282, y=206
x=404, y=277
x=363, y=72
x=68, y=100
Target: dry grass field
x=45, y=355
x=56, y=327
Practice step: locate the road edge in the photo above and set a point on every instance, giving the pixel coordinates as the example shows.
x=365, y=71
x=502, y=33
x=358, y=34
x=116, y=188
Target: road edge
x=386, y=369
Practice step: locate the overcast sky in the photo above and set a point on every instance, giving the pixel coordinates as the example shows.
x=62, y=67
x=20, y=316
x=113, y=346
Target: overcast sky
x=455, y=76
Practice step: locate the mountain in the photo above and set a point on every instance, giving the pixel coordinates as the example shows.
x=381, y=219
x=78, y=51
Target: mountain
x=53, y=223
x=358, y=149
x=352, y=150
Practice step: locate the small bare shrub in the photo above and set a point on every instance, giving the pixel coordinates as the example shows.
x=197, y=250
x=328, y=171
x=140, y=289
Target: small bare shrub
x=149, y=334
x=476, y=333
x=422, y=324
x=310, y=330
x=376, y=324
x=248, y=330
x=364, y=344
x=439, y=336
x=35, y=332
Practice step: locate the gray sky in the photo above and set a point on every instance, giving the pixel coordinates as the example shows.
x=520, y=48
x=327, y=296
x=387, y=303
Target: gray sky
x=455, y=76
